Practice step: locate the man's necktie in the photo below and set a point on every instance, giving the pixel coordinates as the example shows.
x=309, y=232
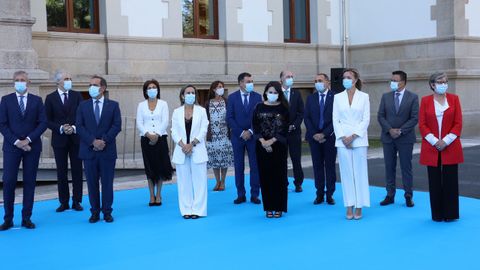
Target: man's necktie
x=322, y=107
x=97, y=111
x=65, y=99
x=22, y=105
x=397, y=102
x=245, y=101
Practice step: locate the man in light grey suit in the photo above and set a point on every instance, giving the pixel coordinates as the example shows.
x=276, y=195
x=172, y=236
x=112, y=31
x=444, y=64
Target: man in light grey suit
x=398, y=116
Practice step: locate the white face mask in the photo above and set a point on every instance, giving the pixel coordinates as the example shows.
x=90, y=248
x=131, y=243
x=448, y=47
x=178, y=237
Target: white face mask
x=189, y=99
x=394, y=86
x=347, y=83
x=21, y=87
x=249, y=87
x=220, y=91
x=320, y=86
x=272, y=98
x=441, y=88
x=289, y=82
x=152, y=92
x=67, y=85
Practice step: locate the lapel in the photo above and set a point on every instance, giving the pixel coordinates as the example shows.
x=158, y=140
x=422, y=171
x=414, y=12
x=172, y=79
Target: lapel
x=30, y=102
x=182, y=123
x=90, y=112
x=103, y=111
x=17, y=106
x=405, y=97
x=195, y=120
x=328, y=100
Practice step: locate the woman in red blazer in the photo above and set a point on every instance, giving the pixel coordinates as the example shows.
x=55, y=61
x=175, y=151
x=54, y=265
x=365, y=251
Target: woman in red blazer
x=440, y=123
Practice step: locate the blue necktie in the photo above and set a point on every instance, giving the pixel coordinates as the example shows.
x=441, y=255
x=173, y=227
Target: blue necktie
x=97, y=111
x=322, y=107
x=397, y=102
x=22, y=105
x=245, y=101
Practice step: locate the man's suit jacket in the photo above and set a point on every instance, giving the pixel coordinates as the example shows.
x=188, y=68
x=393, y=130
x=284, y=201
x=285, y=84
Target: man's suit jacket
x=296, y=111
x=14, y=126
x=238, y=118
x=451, y=123
x=406, y=119
x=107, y=129
x=351, y=119
x=312, y=115
x=58, y=115
x=198, y=131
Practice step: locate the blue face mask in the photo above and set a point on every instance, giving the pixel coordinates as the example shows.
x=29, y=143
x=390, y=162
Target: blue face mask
x=347, y=83
x=94, y=91
x=67, y=85
x=441, y=88
x=272, y=98
x=21, y=87
x=394, y=86
x=189, y=99
x=289, y=82
x=320, y=86
x=249, y=87
x=152, y=93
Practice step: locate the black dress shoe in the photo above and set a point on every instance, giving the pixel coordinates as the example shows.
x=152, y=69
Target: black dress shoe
x=6, y=225
x=240, y=200
x=62, y=208
x=330, y=200
x=298, y=189
x=388, y=200
x=94, y=218
x=27, y=223
x=77, y=206
x=108, y=218
x=318, y=200
x=255, y=200
x=151, y=204
x=158, y=204
x=409, y=201
x=187, y=216
x=194, y=216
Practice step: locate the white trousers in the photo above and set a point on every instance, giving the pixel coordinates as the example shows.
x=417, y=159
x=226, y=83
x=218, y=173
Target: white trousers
x=192, y=187
x=354, y=176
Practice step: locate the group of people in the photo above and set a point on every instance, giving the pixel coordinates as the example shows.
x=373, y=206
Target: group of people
x=217, y=134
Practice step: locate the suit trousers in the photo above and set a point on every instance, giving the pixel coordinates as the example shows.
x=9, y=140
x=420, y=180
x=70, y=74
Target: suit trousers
x=100, y=170
x=61, y=159
x=324, y=156
x=404, y=151
x=239, y=146
x=192, y=187
x=354, y=176
x=11, y=164
x=443, y=188
x=294, y=141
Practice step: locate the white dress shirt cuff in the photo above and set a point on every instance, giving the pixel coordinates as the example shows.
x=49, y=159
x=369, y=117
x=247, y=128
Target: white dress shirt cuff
x=61, y=129
x=449, y=138
x=15, y=143
x=431, y=139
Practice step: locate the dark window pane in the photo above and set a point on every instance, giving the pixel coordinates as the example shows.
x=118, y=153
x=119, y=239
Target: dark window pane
x=286, y=19
x=83, y=16
x=300, y=20
x=187, y=14
x=206, y=18
x=56, y=13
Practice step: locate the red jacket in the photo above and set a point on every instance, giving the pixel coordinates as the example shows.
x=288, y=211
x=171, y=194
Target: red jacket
x=452, y=123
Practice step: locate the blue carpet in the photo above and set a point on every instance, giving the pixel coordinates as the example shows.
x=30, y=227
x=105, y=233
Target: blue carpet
x=240, y=237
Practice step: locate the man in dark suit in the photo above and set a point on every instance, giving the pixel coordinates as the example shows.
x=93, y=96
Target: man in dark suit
x=61, y=109
x=321, y=138
x=22, y=122
x=398, y=116
x=294, y=136
x=240, y=107
x=98, y=124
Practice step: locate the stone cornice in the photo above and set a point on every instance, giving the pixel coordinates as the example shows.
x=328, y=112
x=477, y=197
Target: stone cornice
x=24, y=21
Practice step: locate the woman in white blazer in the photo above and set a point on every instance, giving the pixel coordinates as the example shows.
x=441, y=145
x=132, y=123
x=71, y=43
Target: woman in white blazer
x=351, y=117
x=189, y=129
x=152, y=123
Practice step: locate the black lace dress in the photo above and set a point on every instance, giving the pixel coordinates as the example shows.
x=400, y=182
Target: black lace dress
x=271, y=121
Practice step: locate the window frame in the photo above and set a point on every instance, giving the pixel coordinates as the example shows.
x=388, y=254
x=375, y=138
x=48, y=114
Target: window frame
x=196, y=25
x=69, y=28
x=291, y=21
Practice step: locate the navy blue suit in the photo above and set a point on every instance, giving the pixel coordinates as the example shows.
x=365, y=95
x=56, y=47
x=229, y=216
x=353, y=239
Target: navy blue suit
x=99, y=164
x=15, y=126
x=65, y=146
x=323, y=154
x=240, y=119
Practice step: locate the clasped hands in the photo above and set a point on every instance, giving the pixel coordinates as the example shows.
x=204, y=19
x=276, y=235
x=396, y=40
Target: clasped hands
x=153, y=137
x=98, y=145
x=187, y=149
x=67, y=129
x=440, y=145
x=246, y=135
x=319, y=137
x=395, y=132
x=267, y=144
x=24, y=145
x=348, y=140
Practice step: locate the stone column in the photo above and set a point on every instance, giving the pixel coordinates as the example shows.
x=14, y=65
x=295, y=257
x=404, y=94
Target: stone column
x=16, y=50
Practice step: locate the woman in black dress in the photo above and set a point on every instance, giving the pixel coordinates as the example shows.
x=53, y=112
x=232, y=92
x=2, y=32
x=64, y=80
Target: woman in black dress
x=270, y=124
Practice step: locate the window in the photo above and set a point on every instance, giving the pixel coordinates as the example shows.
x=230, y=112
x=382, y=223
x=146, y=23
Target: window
x=80, y=16
x=200, y=18
x=296, y=21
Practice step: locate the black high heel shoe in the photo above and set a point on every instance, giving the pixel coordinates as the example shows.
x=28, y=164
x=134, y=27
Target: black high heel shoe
x=152, y=203
x=269, y=214
x=278, y=214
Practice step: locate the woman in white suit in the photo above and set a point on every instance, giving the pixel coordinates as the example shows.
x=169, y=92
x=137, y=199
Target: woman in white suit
x=189, y=129
x=351, y=117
